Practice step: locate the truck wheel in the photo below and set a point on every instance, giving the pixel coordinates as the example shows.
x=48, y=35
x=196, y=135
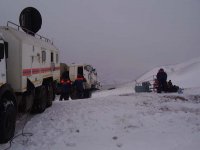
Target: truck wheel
x=74, y=95
x=55, y=88
x=41, y=99
x=27, y=102
x=7, y=120
x=50, y=95
x=87, y=94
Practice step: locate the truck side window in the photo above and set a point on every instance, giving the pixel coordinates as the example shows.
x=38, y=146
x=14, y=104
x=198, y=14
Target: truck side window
x=43, y=56
x=57, y=58
x=1, y=50
x=88, y=68
x=52, y=60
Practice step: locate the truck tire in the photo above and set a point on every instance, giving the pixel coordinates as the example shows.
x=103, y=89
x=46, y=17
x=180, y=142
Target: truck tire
x=73, y=93
x=27, y=102
x=50, y=95
x=87, y=94
x=7, y=120
x=55, y=90
x=40, y=100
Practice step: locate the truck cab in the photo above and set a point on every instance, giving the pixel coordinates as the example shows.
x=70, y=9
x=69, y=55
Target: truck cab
x=8, y=104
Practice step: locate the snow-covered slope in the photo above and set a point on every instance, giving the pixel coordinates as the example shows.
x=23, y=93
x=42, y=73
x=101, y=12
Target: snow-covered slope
x=185, y=75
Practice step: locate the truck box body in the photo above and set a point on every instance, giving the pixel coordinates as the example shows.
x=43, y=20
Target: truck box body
x=29, y=58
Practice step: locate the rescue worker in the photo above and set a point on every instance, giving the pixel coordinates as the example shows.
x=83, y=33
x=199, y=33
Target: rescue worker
x=65, y=88
x=79, y=86
x=162, y=80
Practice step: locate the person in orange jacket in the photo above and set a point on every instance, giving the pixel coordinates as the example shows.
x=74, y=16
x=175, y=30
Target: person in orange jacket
x=65, y=89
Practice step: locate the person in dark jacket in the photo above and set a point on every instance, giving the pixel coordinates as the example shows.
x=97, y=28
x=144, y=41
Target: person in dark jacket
x=65, y=89
x=79, y=86
x=162, y=80
x=171, y=87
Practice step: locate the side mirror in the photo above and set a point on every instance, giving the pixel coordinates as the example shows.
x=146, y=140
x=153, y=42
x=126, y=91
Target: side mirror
x=1, y=50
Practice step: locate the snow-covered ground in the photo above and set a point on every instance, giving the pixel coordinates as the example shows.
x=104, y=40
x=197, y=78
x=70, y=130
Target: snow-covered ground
x=121, y=119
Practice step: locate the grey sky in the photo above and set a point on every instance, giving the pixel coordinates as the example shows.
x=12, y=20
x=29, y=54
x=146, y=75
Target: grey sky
x=121, y=38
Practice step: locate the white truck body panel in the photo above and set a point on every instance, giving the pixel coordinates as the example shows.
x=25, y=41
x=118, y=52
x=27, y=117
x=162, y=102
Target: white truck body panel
x=25, y=59
x=72, y=73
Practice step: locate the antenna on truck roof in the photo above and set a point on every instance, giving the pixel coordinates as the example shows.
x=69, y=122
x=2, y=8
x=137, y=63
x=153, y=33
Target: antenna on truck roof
x=31, y=19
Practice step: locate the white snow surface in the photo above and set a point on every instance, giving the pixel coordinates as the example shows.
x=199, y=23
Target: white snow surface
x=121, y=119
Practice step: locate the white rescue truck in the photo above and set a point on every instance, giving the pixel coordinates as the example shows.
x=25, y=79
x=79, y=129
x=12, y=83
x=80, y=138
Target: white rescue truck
x=29, y=71
x=89, y=73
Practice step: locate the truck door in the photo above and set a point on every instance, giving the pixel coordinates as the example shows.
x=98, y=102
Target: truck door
x=2, y=63
x=80, y=70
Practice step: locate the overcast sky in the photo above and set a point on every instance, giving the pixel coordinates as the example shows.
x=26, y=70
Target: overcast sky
x=121, y=38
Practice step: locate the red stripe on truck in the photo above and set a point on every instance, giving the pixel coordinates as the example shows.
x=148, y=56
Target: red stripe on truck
x=28, y=72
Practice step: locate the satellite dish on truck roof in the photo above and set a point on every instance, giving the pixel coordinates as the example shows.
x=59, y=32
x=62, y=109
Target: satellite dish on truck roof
x=30, y=20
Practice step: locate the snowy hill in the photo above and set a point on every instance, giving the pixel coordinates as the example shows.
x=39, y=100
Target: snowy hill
x=186, y=74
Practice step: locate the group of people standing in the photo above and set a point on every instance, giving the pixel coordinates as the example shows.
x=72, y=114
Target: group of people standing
x=162, y=84
x=68, y=87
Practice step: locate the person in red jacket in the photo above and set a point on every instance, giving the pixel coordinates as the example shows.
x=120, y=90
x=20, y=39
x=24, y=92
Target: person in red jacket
x=65, y=89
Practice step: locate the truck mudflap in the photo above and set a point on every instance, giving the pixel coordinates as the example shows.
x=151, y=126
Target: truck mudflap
x=40, y=101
